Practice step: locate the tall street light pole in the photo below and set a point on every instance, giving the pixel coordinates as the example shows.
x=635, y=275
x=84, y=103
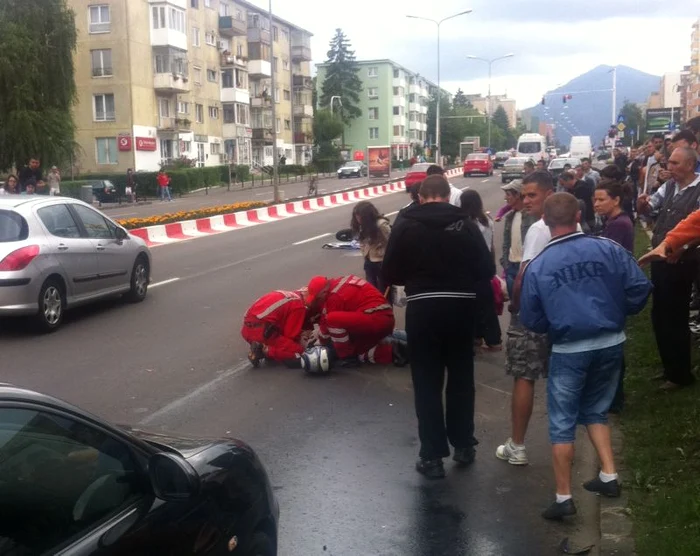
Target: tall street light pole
x=439, y=92
x=275, y=159
x=488, y=98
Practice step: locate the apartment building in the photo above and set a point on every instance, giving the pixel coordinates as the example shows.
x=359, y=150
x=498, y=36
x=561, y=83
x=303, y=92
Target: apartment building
x=163, y=79
x=690, y=78
x=394, y=106
x=481, y=103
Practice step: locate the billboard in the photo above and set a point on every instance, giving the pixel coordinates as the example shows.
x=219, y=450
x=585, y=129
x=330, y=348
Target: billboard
x=663, y=120
x=379, y=161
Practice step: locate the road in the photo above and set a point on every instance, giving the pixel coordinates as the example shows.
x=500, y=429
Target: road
x=222, y=196
x=340, y=450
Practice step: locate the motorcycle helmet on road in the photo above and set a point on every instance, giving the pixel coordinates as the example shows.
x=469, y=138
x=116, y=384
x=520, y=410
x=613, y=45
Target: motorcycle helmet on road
x=316, y=360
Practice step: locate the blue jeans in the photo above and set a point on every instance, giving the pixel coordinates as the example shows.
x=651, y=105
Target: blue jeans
x=165, y=191
x=580, y=390
x=512, y=270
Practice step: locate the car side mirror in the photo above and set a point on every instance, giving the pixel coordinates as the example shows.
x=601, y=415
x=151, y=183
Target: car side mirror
x=172, y=478
x=121, y=234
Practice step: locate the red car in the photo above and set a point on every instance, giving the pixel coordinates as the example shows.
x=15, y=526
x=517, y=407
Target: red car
x=478, y=163
x=416, y=174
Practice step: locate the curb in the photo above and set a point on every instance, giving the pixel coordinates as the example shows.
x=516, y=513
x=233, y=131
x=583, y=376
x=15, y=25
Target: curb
x=165, y=234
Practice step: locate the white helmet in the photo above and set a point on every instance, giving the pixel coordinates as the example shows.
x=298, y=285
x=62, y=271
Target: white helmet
x=316, y=360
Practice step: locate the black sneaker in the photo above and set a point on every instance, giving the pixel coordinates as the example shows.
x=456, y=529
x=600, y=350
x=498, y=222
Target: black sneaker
x=464, y=456
x=256, y=354
x=350, y=362
x=558, y=511
x=610, y=489
x=431, y=468
x=400, y=350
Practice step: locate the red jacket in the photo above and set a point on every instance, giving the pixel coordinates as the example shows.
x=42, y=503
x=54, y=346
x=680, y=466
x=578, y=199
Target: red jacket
x=352, y=294
x=162, y=179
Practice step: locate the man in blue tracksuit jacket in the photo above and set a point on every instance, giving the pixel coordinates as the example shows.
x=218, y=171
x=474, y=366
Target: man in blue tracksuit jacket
x=579, y=290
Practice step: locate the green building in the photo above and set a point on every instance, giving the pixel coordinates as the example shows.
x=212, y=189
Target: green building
x=394, y=105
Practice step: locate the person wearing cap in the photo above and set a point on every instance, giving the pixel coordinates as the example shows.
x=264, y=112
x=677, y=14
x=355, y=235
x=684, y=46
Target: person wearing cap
x=356, y=319
x=517, y=223
x=274, y=325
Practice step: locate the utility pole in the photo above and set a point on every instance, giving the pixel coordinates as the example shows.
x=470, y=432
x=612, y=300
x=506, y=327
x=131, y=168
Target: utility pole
x=275, y=158
x=614, y=93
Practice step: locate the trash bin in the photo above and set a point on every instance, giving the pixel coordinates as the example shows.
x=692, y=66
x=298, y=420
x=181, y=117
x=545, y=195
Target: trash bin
x=86, y=193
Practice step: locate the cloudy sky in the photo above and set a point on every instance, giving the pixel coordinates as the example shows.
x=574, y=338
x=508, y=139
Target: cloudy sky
x=553, y=40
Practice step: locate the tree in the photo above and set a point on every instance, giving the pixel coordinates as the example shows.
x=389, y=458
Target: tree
x=460, y=100
x=327, y=128
x=37, y=86
x=634, y=120
x=500, y=119
x=342, y=79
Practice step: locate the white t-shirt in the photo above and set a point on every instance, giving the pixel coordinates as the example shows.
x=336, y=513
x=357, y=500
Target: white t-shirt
x=455, y=195
x=515, y=255
x=537, y=238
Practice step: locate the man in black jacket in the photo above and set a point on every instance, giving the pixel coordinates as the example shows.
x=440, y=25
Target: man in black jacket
x=440, y=257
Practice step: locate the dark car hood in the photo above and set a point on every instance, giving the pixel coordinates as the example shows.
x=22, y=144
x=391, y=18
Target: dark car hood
x=187, y=447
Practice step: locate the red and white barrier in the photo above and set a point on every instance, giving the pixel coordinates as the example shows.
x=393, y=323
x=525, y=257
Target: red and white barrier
x=164, y=234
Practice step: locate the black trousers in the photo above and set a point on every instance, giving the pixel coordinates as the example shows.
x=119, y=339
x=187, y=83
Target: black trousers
x=669, y=316
x=488, y=326
x=441, y=336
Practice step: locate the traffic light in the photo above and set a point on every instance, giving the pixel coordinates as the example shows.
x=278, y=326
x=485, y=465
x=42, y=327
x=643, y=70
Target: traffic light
x=542, y=100
x=565, y=98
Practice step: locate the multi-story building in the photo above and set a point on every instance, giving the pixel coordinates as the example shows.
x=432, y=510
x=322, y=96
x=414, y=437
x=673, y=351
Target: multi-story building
x=394, y=106
x=690, y=80
x=163, y=79
x=482, y=105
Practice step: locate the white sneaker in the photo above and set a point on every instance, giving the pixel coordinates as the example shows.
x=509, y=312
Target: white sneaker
x=512, y=454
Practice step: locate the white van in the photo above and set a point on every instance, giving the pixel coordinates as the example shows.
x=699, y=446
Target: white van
x=532, y=145
x=581, y=146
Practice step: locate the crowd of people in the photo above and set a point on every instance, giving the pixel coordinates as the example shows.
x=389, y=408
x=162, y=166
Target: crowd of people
x=31, y=181
x=568, y=269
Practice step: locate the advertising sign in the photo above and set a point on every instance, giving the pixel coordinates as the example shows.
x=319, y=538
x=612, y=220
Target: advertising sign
x=659, y=119
x=146, y=144
x=379, y=161
x=358, y=155
x=124, y=142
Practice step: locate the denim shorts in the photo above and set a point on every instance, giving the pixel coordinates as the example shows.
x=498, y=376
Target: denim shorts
x=580, y=390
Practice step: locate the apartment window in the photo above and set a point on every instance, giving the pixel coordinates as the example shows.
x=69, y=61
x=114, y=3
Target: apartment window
x=104, y=108
x=396, y=73
x=285, y=64
x=396, y=110
x=287, y=125
x=101, y=63
x=374, y=113
x=397, y=130
x=194, y=4
x=277, y=96
x=183, y=107
x=159, y=17
x=164, y=107
x=239, y=50
x=213, y=113
x=99, y=19
x=199, y=113
x=412, y=97
x=241, y=79
x=224, y=9
x=278, y=126
x=373, y=92
x=275, y=33
x=374, y=133
x=211, y=75
x=215, y=148
x=227, y=79
x=210, y=38
x=185, y=146
x=195, y=36
x=285, y=34
x=373, y=71
x=242, y=114
x=106, y=150
x=287, y=95
x=197, y=75
x=275, y=64
x=207, y=3
x=229, y=114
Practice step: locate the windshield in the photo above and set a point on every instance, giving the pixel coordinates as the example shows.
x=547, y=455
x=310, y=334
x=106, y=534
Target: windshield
x=475, y=156
x=530, y=147
x=353, y=164
x=13, y=227
x=515, y=161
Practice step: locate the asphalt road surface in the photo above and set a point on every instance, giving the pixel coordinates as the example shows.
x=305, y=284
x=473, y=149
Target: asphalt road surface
x=222, y=196
x=340, y=449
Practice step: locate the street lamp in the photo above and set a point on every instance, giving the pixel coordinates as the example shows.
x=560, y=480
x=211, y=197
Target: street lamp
x=339, y=99
x=439, y=95
x=488, y=101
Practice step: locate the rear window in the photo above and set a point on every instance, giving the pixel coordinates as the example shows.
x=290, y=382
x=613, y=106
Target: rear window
x=515, y=161
x=13, y=227
x=477, y=157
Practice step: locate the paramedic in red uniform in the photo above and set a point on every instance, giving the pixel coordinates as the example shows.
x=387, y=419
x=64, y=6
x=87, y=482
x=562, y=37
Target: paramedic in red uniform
x=274, y=325
x=355, y=317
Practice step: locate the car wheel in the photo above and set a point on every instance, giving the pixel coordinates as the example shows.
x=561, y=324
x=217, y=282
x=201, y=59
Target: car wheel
x=261, y=545
x=52, y=305
x=466, y=175
x=140, y=277
x=503, y=180
x=491, y=173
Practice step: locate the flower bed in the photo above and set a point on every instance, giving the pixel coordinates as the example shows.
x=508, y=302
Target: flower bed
x=170, y=217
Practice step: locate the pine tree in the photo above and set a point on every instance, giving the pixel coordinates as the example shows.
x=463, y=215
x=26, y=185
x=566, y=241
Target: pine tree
x=342, y=79
x=37, y=86
x=500, y=119
x=460, y=100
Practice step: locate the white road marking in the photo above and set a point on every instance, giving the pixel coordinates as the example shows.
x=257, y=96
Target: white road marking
x=163, y=282
x=311, y=239
x=484, y=181
x=391, y=213
x=494, y=389
x=179, y=403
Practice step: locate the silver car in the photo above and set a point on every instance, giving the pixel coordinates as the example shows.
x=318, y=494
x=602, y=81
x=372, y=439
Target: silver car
x=57, y=253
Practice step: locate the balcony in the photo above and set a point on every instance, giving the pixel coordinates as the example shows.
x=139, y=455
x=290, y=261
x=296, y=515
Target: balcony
x=171, y=83
x=256, y=34
x=166, y=123
x=301, y=138
x=228, y=60
x=237, y=131
x=414, y=90
x=301, y=54
x=303, y=111
x=413, y=107
x=229, y=26
x=261, y=102
x=262, y=135
x=258, y=69
x=303, y=82
x=102, y=71
x=233, y=94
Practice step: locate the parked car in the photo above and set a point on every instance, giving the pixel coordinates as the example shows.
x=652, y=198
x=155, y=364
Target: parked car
x=500, y=158
x=75, y=484
x=514, y=168
x=104, y=191
x=556, y=167
x=353, y=169
x=57, y=253
x=416, y=173
x=478, y=163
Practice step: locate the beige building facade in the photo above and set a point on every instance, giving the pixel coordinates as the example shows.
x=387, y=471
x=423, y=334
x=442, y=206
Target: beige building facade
x=690, y=80
x=158, y=80
x=481, y=104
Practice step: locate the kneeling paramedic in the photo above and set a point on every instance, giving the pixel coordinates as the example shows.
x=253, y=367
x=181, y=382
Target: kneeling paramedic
x=355, y=318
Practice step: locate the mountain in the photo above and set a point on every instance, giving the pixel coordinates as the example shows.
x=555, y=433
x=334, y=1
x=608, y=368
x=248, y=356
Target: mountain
x=591, y=113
